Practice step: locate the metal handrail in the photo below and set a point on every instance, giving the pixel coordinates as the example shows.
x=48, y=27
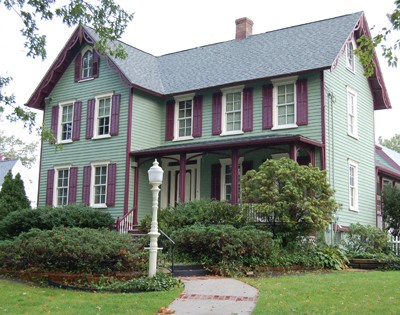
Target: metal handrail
x=172, y=247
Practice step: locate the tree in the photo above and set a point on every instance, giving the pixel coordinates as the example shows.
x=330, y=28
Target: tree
x=391, y=213
x=12, y=148
x=392, y=143
x=295, y=200
x=367, y=45
x=12, y=195
x=108, y=19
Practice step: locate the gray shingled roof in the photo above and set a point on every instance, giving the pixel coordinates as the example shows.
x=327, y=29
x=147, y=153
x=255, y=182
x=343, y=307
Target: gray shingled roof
x=6, y=166
x=281, y=52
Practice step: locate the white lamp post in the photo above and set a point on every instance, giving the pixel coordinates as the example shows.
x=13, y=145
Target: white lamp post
x=155, y=180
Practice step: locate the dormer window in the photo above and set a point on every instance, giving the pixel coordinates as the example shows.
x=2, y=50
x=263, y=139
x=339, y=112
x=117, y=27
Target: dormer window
x=87, y=65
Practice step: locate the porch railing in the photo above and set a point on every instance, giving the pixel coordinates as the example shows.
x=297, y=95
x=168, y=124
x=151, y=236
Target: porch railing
x=394, y=244
x=126, y=223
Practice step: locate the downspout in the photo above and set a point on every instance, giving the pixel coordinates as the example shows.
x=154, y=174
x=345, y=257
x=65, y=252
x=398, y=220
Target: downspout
x=128, y=150
x=323, y=130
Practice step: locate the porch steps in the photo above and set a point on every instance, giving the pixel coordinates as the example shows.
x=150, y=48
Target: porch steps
x=190, y=270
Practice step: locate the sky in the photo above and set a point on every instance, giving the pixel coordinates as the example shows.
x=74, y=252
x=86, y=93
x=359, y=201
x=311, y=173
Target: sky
x=161, y=27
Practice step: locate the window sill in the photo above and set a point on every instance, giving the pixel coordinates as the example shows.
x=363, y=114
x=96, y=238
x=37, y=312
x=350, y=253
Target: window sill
x=86, y=79
x=353, y=71
x=353, y=136
x=65, y=141
x=101, y=137
x=183, y=138
x=354, y=210
x=99, y=206
x=231, y=133
x=285, y=127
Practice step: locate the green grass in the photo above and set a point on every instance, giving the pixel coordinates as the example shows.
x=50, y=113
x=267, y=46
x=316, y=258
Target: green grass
x=342, y=292
x=18, y=298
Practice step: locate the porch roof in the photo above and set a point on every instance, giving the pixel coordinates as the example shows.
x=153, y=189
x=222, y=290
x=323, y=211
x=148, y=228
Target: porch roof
x=249, y=141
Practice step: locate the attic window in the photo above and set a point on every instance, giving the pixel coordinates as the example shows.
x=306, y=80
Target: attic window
x=87, y=65
x=350, y=56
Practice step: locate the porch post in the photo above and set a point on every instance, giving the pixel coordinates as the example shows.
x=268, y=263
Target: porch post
x=182, y=177
x=293, y=152
x=136, y=195
x=235, y=176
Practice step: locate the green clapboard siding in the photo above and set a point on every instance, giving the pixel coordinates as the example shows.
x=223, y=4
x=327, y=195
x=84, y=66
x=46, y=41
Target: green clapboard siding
x=83, y=152
x=340, y=146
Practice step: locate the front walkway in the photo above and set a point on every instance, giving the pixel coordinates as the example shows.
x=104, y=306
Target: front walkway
x=214, y=295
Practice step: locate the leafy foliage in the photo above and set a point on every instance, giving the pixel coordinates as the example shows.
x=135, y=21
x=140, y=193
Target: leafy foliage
x=392, y=143
x=13, y=148
x=331, y=257
x=224, y=248
x=73, y=250
x=367, y=45
x=108, y=19
x=12, y=195
x=365, y=239
x=391, y=214
x=295, y=200
x=46, y=218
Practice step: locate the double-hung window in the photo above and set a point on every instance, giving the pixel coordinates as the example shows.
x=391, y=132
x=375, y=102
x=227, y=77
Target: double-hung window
x=352, y=128
x=66, y=117
x=226, y=177
x=284, y=103
x=61, y=188
x=232, y=110
x=184, y=117
x=103, y=116
x=353, y=185
x=100, y=185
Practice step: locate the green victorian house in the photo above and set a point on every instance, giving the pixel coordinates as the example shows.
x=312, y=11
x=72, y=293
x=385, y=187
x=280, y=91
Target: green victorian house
x=209, y=114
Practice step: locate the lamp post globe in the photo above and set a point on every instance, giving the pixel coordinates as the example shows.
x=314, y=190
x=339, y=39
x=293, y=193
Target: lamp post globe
x=155, y=179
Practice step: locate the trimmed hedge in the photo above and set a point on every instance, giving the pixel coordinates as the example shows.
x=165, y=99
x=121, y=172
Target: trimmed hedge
x=224, y=247
x=73, y=250
x=46, y=218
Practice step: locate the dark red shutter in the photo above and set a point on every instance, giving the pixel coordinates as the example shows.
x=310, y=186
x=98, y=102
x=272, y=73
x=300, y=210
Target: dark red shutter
x=197, y=116
x=248, y=109
x=73, y=183
x=54, y=121
x=169, y=122
x=246, y=166
x=216, y=181
x=90, y=118
x=50, y=187
x=302, y=102
x=78, y=67
x=87, y=173
x=111, y=184
x=216, y=113
x=95, y=64
x=76, y=128
x=115, y=108
x=267, y=107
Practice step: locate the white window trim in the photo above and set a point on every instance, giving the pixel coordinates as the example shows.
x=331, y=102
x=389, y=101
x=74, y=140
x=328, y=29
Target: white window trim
x=348, y=66
x=178, y=99
x=276, y=83
x=92, y=181
x=96, y=116
x=353, y=164
x=60, y=114
x=351, y=91
x=234, y=89
x=55, y=182
x=224, y=163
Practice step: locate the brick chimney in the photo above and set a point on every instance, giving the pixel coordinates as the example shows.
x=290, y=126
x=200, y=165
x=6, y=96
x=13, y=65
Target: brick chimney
x=244, y=28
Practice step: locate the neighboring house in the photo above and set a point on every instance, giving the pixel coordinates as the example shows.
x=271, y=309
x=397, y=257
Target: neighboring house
x=15, y=166
x=209, y=114
x=387, y=174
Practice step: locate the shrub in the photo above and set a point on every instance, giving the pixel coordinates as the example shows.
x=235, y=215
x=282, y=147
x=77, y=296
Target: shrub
x=73, y=250
x=46, y=218
x=365, y=239
x=205, y=212
x=223, y=247
x=331, y=257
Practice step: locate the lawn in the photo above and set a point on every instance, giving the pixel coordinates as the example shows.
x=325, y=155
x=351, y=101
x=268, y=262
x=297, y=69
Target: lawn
x=18, y=298
x=343, y=292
